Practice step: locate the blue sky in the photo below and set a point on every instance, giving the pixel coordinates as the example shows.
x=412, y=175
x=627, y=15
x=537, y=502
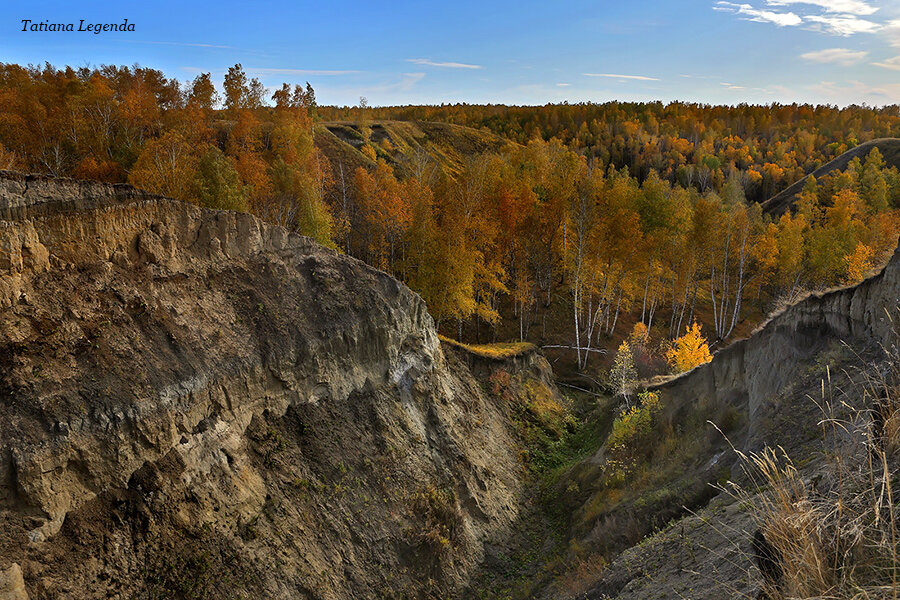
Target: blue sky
x=757, y=51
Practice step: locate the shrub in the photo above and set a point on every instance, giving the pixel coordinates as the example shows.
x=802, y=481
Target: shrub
x=441, y=520
x=631, y=435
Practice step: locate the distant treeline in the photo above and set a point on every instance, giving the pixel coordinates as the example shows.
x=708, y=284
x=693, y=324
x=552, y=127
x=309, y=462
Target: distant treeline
x=768, y=147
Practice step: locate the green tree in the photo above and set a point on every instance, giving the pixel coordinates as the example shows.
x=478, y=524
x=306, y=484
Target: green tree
x=299, y=205
x=218, y=183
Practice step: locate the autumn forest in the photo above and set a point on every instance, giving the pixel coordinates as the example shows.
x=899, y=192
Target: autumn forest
x=591, y=227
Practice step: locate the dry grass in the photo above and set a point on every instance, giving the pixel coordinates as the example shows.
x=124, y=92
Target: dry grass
x=581, y=576
x=441, y=522
x=833, y=534
x=447, y=145
x=499, y=351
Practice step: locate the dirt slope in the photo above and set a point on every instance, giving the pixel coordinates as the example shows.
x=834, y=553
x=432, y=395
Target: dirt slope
x=444, y=144
x=194, y=404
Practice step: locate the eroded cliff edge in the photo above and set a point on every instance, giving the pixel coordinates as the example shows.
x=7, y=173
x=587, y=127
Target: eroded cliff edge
x=806, y=364
x=751, y=372
x=195, y=403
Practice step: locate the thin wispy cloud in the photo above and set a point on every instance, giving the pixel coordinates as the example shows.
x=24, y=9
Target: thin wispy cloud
x=855, y=91
x=402, y=84
x=276, y=71
x=563, y=84
x=615, y=76
x=840, y=56
x=189, y=44
x=891, y=63
x=843, y=25
x=408, y=80
x=757, y=15
x=447, y=65
x=273, y=71
x=845, y=7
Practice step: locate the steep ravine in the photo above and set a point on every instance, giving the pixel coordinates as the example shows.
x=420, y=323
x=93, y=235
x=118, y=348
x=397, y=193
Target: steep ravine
x=773, y=387
x=196, y=404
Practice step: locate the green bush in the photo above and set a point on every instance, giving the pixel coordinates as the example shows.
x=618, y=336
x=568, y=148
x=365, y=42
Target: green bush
x=218, y=183
x=631, y=435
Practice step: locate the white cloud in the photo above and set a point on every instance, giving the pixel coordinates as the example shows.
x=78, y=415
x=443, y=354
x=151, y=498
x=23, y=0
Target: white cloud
x=846, y=7
x=844, y=25
x=788, y=19
x=841, y=56
x=892, y=32
x=891, y=63
x=563, y=84
x=408, y=80
x=614, y=76
x=448, y=65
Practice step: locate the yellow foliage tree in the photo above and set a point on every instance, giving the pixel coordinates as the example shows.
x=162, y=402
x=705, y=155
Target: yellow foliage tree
x=859, y=263
x=689, y=351
x=369, y=152
x=623, y=375
x=639, y=336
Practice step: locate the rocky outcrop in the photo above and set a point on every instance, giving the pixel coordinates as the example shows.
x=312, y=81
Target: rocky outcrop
x=12, y=585
x=196, y=404
x=678, y=528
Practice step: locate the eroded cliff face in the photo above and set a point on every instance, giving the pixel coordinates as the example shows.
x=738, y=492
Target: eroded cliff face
x=805, y=364
x=196, y=404
x=751, y=372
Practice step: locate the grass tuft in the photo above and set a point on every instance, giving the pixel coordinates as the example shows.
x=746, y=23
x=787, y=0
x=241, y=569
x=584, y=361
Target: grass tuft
x=500, y=351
